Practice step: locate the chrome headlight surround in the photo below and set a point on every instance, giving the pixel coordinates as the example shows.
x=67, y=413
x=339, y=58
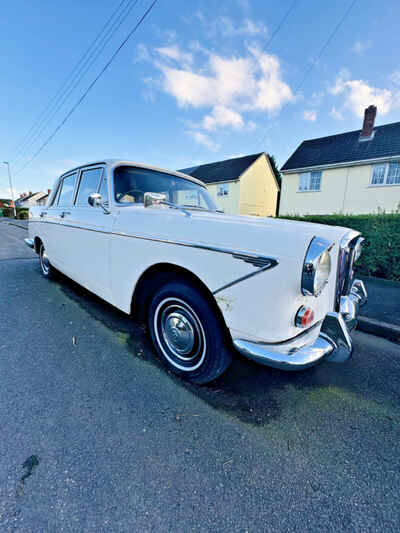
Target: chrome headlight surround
x=316, y=267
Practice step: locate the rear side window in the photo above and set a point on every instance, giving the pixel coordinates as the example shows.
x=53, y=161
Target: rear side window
x=66, y=194
x=89, y=184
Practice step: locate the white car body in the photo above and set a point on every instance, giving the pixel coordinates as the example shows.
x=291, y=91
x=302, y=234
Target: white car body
x=251, y=266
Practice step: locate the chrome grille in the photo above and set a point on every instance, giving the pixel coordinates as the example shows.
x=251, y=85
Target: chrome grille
x=345, y=272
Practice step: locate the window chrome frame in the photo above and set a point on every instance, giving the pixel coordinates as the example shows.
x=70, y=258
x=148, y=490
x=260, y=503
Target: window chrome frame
x=59, y=189
x=80, y=172
x=111, y=172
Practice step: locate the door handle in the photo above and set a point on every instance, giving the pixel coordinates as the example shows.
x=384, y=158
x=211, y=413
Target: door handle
x=63, y=213
x=43, y=213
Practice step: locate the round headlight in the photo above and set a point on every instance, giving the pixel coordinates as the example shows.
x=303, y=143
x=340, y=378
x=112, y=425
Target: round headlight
x=317, y=267
x=322, y=271
x=358, y=249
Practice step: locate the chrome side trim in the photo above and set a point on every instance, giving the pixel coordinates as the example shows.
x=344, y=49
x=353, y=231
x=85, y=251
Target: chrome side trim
x=249, y=257
x=29, y=242
x=272, y=263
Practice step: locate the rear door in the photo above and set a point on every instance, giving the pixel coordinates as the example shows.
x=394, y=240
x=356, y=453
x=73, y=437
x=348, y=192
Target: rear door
x=52, y=217
x=87, y=233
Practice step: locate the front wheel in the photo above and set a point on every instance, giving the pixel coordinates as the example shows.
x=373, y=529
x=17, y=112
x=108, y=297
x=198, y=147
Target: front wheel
x=45, y=265
x=187, y=333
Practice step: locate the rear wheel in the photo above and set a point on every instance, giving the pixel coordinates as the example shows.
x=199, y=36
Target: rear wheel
x=187, y=333
x=45, y=265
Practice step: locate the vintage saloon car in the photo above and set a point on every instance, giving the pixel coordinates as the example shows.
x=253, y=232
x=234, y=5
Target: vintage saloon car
x=151, y=242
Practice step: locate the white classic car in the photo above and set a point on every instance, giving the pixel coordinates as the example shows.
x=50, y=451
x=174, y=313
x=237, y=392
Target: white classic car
x=151, y=242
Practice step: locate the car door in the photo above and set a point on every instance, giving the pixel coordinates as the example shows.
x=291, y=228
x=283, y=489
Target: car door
x=87, y=233
x=52, y=216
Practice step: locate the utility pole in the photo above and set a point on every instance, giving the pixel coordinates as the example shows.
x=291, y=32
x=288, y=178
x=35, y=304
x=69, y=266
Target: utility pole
x=11, y=187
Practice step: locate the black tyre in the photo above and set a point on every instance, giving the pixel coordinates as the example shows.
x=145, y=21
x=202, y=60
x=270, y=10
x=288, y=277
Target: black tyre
x=187, y=333
x=45, y=265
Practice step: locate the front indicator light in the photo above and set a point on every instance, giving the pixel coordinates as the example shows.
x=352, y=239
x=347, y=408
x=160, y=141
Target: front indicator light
x=304, y=317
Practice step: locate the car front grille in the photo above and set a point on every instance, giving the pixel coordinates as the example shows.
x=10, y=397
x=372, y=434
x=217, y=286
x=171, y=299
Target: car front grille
x=345, y=271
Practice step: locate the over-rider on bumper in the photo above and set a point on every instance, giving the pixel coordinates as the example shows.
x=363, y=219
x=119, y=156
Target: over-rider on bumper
x=333, y=342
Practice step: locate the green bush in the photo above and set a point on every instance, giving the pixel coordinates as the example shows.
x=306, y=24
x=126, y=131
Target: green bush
x=22, y=212
x=381, y=251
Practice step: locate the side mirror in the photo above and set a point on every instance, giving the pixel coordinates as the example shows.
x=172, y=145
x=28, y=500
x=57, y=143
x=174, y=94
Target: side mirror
x=95, y=200
x=154, y=198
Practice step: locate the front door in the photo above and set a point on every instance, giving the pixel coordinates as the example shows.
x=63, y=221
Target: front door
x=86, y=234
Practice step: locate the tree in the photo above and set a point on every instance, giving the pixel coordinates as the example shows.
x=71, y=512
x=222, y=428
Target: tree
x=275, y=169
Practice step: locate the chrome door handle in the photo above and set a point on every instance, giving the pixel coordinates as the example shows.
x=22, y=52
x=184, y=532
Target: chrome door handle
x=43, y=213
x=63, y=213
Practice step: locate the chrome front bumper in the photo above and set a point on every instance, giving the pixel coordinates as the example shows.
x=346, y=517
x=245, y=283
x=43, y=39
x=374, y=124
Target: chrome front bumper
x=332, y=343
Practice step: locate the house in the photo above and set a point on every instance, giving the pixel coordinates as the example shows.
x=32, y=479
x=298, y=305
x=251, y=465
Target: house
x=30, y=199
x=354, y=172
x=244, y=185
x=4, y=202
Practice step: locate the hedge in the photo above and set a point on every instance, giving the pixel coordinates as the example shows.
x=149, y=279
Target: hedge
x=22, y=212
x=381, y=250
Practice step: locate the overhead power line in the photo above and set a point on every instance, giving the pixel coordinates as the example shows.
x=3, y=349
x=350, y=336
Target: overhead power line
x=62, y=90
x=325, y=46
x=319, y=55
x=279, y=26
x=89, y=88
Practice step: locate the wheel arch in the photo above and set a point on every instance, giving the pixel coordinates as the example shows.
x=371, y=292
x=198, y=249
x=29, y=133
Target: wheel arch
x=160, y=273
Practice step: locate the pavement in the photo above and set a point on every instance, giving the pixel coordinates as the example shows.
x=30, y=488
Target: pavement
x=97, y=436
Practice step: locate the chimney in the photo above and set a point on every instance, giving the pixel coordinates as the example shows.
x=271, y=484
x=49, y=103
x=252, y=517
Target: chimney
x=30, y=193
x=367, y=131
x=48, y=191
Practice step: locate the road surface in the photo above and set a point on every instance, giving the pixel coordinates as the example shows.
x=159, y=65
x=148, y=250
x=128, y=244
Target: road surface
x=97, y=436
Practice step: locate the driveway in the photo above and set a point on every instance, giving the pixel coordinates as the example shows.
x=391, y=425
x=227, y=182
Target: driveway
x=97, y=436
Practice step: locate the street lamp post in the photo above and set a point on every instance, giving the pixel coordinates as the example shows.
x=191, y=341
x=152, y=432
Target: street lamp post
x=11, y=187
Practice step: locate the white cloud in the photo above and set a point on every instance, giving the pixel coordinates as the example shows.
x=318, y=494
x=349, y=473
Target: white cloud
x=395, y=77
x=142, y=53
x=253, y=82
x=335, y=113
x=174, y=53
x=310, y=115
x=205, y=140
x=226, y=27
x=360, y=47
x=358, y=95
x=222, y=116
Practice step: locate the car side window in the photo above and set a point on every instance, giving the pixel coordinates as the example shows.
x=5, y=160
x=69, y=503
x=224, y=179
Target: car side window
x=104, y=190
x=66, y=194
x=89, y=184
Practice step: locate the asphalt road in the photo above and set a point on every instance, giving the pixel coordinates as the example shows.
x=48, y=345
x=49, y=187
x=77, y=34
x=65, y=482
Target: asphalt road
x=96, y=435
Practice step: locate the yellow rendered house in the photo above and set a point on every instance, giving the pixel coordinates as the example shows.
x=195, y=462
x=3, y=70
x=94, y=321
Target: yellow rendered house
x=356, y=172
x=242, y=185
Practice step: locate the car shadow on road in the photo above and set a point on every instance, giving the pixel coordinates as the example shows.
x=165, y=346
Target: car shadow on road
x=247, y=391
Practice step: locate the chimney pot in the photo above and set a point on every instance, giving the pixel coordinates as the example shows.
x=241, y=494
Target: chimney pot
x=48, y=191
x=368, y=124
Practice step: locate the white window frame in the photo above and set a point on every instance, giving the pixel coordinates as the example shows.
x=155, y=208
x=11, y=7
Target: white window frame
x=223, y=189
x=307, y=177
x=386, y=175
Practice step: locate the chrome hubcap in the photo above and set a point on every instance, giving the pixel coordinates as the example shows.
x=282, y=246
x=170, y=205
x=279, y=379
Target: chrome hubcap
x=180, y=334
x=44, y=260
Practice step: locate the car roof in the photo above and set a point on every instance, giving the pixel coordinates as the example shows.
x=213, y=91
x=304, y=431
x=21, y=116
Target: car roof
x=113, y=163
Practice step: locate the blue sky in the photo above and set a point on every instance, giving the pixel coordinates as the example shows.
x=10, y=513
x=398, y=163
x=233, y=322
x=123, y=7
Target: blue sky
x=195, y=83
